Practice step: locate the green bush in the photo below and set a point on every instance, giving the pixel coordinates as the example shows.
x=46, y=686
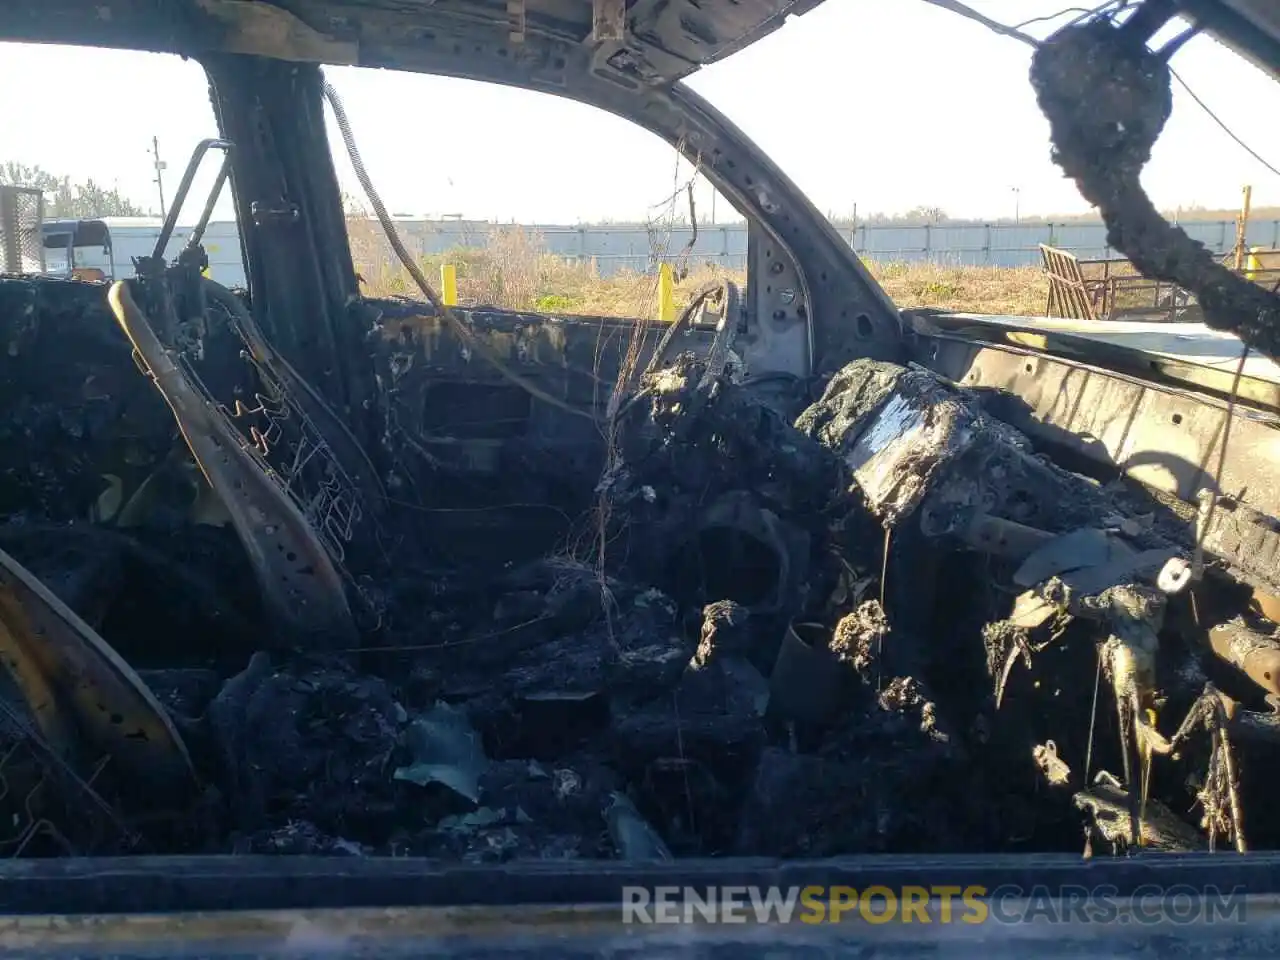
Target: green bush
x=555, y=303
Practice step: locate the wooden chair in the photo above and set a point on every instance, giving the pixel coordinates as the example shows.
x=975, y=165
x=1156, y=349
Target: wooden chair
x=1070, y=296
x=1109, y=289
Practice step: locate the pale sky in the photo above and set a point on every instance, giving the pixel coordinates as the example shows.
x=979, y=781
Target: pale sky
x=887, y=104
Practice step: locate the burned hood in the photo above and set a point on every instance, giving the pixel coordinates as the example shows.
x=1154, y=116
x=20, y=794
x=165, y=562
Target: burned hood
x=646, y=41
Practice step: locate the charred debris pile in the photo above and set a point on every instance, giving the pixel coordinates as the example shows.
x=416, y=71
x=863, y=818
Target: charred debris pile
x=875, y=622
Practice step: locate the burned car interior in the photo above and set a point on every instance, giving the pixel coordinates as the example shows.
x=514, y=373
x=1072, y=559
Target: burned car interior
x=296, y=571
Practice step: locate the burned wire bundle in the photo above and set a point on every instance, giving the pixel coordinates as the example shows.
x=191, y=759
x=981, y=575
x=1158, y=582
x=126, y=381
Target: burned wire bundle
x=1107, y=97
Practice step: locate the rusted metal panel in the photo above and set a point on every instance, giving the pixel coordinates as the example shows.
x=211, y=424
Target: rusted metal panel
x=608, y=19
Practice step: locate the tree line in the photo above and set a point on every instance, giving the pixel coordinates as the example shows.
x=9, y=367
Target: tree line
x=64, y=199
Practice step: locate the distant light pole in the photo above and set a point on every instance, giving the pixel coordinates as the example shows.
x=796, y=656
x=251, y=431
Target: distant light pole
x=1017, y=205
x=160, y=165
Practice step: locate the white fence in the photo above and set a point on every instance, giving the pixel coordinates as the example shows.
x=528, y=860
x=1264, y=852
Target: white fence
x=617, y=247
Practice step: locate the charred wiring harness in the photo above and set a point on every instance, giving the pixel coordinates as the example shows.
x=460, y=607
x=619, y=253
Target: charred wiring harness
x=1107, y=97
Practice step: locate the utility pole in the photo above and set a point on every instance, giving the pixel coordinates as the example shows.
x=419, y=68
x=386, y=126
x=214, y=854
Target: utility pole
x=1017, y=205
x=160, y=165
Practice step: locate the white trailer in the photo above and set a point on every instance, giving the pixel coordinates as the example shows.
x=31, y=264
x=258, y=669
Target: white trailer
x=136, y=237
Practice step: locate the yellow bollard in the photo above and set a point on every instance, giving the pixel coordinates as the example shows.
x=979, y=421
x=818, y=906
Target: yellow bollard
x=1242, y=227
x=449, y=284
x=1253, y=264
x=666, y=294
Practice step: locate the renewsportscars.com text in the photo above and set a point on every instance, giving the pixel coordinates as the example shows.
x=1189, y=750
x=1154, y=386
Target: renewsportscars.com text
x=1150, y=904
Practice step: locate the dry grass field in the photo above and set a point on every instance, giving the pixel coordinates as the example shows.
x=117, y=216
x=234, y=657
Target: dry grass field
x=513, y=271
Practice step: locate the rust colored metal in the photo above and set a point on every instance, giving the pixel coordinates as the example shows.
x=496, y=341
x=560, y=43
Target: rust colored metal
x=80, y=691
x=1255, y=654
